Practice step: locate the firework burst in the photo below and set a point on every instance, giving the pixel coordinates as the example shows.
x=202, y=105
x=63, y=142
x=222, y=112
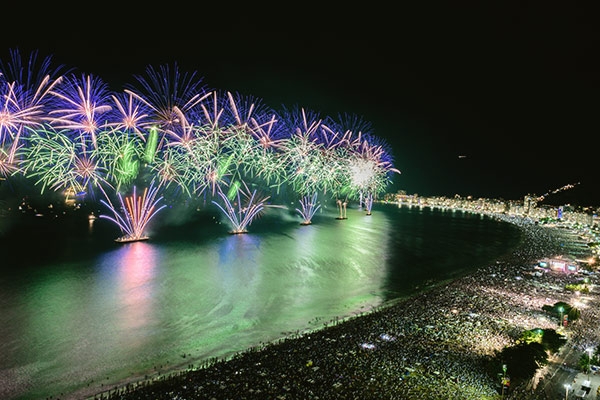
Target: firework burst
x=134, y=213
x=242, y=211
x=309, y=207
x=24, y=88
x=57, y=161
x=82, y=106
x=71, y=132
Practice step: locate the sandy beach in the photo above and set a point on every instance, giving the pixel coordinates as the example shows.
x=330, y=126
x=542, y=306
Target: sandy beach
x=437, y=345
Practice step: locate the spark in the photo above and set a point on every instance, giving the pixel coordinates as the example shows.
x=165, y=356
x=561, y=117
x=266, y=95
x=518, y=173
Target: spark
x=309, y=208
x=83, y=105
x=135, y=213
x=249, y=207
x=72, y=132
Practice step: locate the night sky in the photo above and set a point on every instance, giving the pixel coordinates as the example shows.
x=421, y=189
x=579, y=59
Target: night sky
x=473, y=99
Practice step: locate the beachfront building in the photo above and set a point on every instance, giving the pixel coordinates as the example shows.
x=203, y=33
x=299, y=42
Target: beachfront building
x=583, y=221
x=528, y=207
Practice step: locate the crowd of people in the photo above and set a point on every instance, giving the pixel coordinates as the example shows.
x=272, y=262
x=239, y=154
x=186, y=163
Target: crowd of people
x=440, y=344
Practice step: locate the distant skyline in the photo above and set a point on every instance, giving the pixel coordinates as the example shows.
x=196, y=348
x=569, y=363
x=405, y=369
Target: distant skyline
x=488, y=100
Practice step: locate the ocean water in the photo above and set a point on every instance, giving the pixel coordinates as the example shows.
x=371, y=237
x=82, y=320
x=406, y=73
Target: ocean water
x=80, y=313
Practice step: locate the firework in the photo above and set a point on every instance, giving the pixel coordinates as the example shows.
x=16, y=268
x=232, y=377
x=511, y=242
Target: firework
x=130, y=114
x=73, y=133
x=24, y=88
x=165, y=91
x=253, y=137
x=82, y=106
x=342, y=206
x=14, y=114
x=366, y=169
x=197, y=162
x=354, y=128
x=303, y=153
x=368, y=201
x=151, y=145
x=309, y=208
x=134, y=213
x=8, y=166
x=120, y=154
x=57, y=161
x=249, y=207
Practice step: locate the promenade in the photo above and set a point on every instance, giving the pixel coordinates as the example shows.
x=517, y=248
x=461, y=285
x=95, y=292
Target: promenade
x=438, y=345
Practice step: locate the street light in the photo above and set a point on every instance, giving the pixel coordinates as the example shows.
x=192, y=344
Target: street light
x=567, y=387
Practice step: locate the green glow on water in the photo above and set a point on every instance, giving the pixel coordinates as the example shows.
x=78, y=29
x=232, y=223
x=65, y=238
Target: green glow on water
x=123, y=310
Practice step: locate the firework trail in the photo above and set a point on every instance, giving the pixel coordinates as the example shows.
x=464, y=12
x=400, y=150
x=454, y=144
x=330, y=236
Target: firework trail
x=308, y=208
x=248, y=208
x=24, y=96
x=71, y=132
x=134, y=213
x=82, y=106
x=56, y=161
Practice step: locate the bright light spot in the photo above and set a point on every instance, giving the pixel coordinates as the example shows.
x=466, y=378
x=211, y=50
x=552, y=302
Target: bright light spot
x=387, y=337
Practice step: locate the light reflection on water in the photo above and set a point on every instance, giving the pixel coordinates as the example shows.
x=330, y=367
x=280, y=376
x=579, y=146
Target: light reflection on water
x=124, y=311
x=134, y=289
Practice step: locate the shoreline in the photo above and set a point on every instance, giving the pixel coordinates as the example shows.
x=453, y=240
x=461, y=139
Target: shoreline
x=432, y=345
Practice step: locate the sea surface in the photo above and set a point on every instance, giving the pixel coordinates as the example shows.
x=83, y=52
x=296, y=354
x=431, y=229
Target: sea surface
x=80, y=313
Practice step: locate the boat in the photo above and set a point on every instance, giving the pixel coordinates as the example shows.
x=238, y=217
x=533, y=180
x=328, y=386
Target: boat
x=129, y=239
